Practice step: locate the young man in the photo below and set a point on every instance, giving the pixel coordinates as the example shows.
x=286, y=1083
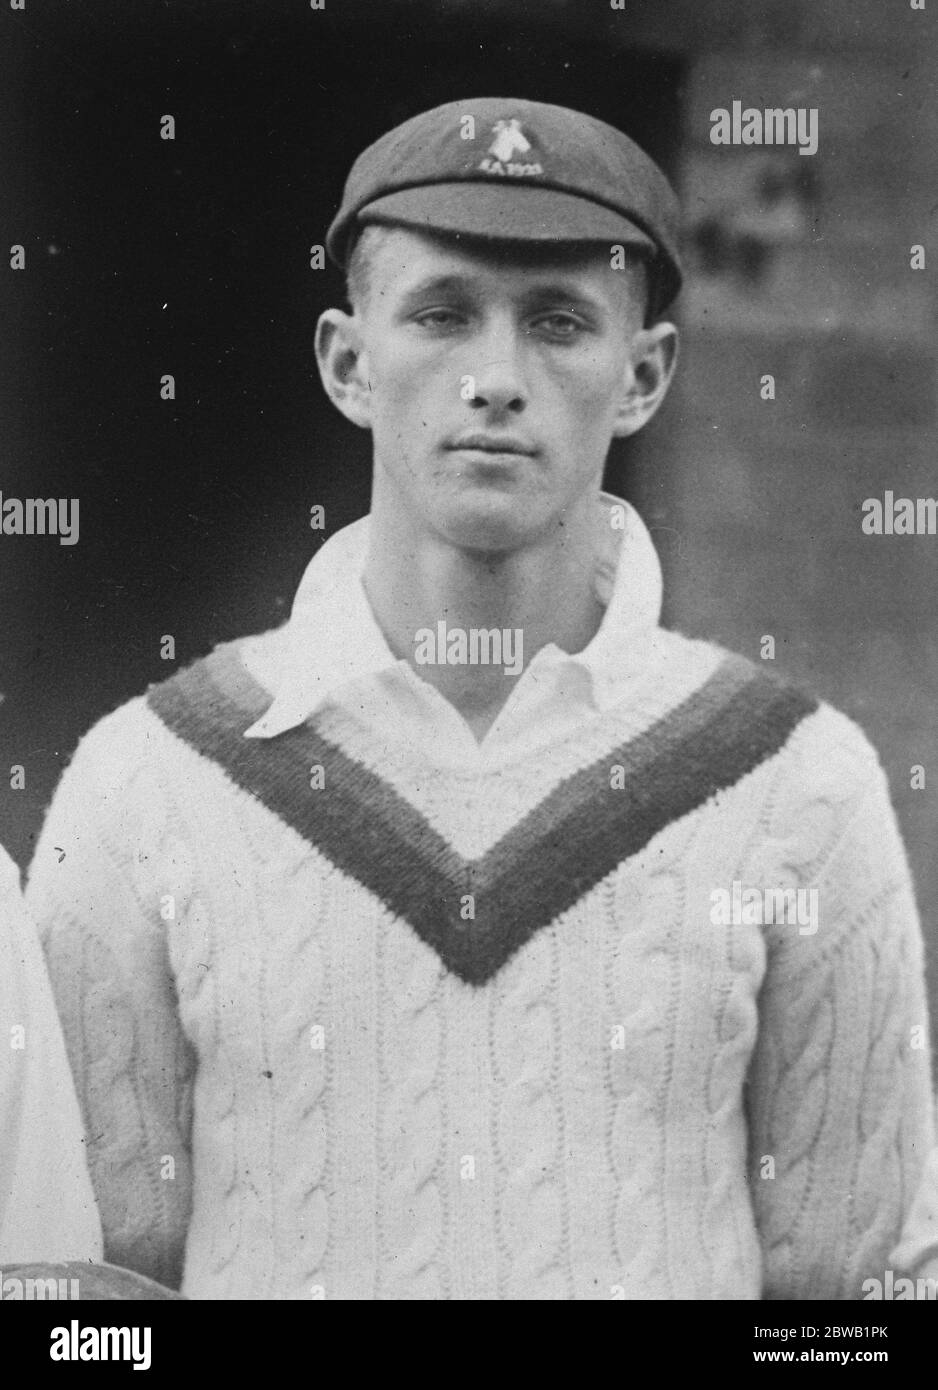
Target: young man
x=47, y=1208
x=432, y=946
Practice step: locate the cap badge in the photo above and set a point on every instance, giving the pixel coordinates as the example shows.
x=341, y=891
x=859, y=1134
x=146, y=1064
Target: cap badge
x=510, y=140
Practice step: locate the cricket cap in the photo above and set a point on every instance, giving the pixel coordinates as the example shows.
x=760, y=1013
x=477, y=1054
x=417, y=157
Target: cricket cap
x=502, y=168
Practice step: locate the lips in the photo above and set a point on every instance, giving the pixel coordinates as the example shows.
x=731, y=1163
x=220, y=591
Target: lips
x=493, y=444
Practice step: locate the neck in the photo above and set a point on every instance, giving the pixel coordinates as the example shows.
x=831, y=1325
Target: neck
x=538, y=594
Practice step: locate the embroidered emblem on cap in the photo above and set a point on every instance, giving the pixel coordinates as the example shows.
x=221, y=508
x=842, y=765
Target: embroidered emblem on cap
x=509, y=140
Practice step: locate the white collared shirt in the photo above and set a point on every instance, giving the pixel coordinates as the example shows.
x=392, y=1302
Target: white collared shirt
x=333, y=651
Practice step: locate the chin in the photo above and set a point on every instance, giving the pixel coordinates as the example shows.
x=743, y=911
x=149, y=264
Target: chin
x=489, y=521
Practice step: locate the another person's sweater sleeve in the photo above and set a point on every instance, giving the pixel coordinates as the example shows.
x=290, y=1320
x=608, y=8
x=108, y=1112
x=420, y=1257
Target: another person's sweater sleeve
x=98, y=908
x=839, y=1091
x=47, y=1209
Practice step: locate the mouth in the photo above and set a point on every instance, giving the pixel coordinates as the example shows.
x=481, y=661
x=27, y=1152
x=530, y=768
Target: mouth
x=496, y=446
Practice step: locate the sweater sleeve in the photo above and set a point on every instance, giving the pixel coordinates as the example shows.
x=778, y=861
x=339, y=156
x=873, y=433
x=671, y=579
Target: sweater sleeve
x=839, y=1090
x=47, y=1210
x=917, y=1253
x=94, y=893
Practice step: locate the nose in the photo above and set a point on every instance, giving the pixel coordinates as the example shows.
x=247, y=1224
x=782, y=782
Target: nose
x=499, y=370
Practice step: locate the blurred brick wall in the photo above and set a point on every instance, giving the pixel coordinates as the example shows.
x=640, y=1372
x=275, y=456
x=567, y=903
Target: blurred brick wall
x=758, y=502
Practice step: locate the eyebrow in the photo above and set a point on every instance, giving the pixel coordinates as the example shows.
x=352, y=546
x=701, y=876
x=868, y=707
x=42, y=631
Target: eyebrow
x=547, y=292
x=437, y=284
x=557, y=292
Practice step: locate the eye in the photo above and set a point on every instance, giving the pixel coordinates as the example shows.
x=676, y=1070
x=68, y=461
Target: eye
x=560, y=326
x=440, y=319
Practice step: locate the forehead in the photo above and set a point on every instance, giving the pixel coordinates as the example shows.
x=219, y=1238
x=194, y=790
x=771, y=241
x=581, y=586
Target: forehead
x=405, y=260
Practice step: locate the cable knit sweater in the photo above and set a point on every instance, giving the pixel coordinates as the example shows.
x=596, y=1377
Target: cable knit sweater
x=345, y=1027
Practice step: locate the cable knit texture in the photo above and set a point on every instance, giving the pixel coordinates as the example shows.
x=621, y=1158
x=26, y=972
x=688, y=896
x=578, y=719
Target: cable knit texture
x=306, y=1073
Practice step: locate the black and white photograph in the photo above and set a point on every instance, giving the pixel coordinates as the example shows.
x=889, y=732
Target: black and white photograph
x=469, y=664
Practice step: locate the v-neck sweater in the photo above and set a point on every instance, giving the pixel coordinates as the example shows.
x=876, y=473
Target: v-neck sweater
x=348, y=1025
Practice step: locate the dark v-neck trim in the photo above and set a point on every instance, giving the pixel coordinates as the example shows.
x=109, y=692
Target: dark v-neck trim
x=556, y=853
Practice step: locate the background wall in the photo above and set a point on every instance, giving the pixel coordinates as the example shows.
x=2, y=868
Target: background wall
x=191, y=257
x=802, y=270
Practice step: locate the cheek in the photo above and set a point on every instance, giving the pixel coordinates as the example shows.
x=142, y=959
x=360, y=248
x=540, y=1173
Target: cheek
x=407, y=406
x=403, y=378
x=590, y=391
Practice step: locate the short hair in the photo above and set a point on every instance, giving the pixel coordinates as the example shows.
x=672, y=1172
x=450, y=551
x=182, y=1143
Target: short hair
x=358, y=272
x=360, y=265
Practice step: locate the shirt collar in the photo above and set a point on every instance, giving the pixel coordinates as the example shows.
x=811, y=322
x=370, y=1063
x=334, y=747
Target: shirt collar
x=332, y=638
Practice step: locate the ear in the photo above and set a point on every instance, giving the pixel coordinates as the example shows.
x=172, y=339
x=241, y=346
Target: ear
x=652, y=359
x=343, y=365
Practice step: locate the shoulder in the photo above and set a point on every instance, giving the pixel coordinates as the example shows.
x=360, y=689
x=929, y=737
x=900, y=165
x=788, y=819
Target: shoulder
x=119, y=799
x=821, y=724
x=135, y=743
x=729, y=696
x=832, y=758
x=821, y=805
x=812, y=751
